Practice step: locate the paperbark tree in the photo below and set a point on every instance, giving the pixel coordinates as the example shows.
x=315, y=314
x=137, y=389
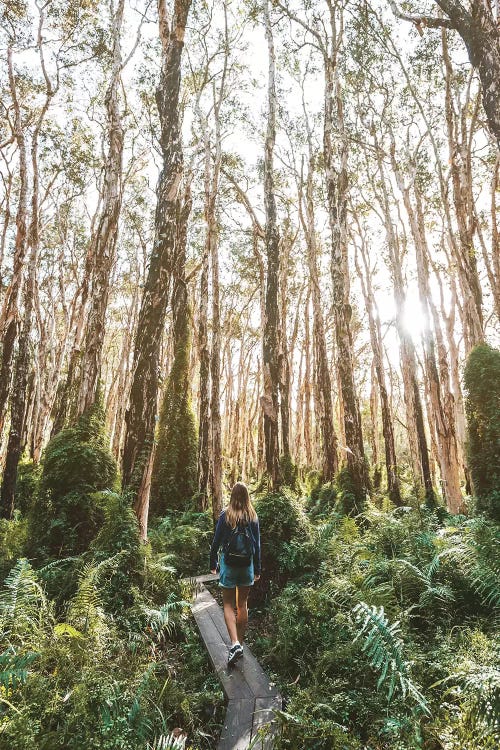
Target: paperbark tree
x=270, y=348
x=391, y=464
x=9, y=315
x=322, y=374
x=103, y=241
x=414, y=411
x=480, y=32
x=141, y=413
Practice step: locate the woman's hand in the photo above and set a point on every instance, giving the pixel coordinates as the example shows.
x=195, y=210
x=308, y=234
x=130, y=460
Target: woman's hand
x=213, y=572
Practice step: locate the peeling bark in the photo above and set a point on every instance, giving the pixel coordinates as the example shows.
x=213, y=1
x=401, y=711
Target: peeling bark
x=141, y=413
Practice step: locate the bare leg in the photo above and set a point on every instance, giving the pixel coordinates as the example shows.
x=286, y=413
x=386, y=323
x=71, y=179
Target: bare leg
x=229, y=599
x=242, y=619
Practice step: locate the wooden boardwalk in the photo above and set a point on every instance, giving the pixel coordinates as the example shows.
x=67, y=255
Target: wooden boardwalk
x=251, y=697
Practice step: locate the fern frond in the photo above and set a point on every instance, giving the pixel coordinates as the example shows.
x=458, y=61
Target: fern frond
x=384, y=646
x=169, y=742
x=23, y=604
x=14, y=667
x=160, y=620
x=483, y=685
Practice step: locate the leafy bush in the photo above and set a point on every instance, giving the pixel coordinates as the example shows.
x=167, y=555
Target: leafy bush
x=482, y=407
x=28, y=477
x=12, y=542
x=67, y=513
x=380, y=609
x=185, y=538
x=83, y=683
x=348, y=502
x=322, y=500
x=281, y=521
x=118, y=539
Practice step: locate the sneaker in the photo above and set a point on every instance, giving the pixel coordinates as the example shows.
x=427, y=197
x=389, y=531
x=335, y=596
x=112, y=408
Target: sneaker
x=235, y=653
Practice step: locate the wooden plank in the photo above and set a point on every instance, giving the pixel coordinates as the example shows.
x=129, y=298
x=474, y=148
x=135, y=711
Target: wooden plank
x=263, y=717
x=206, y=626
x=237, y=727
x=255, y=675
x=246, y=686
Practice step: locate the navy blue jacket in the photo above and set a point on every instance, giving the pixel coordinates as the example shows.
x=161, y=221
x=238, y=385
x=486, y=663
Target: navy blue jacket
x=222, y=533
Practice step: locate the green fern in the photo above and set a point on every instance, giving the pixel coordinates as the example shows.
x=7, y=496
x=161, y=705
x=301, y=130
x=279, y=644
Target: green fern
x=23, y=605
x=483, y=685
x=169, y=742
x=384, y=646
x=14, y=667
x=160, y=620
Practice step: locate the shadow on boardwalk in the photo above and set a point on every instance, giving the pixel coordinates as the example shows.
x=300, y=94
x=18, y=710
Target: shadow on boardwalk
x=251, y=697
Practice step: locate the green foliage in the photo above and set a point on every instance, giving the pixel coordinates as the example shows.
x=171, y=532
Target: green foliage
x=186, y=538
x=282, y=520
x=174, y=479
x=24, y=609
x=118, y=540
x=28, y=477
x=322, y=500
x=348, y=502
x=83, y=682
x=66, y=513
x=289, y=471
x=14, y=667
x=384, y=647
x=12, y=542
x=482, y=407
x=390, y=602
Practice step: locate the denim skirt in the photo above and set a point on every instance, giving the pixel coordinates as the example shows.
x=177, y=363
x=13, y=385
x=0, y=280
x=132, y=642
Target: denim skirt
x=230, y=576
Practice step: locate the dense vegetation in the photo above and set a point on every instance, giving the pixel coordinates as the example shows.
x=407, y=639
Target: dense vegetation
x=251, y=241
x=381, y=628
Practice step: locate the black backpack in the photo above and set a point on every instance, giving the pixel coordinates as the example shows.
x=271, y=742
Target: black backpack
x=238, y=551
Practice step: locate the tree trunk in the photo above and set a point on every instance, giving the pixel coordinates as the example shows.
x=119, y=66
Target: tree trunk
x=414, y=412
x=376, y=342
x=270, y=349
x=204, y=393
x=215, y=367
x=140, y=416
x=103, y=242
x=9, y=315
x=19, y=393
x=463, y=199
x=323, y=380
x=336, y=189
x=442, y=417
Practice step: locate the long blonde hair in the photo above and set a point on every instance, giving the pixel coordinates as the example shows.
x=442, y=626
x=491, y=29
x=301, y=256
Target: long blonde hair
x=240, y=508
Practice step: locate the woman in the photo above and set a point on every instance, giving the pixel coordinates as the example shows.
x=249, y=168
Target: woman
x=237, y=525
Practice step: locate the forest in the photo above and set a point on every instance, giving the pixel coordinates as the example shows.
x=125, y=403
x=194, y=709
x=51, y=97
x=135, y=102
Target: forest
x=257, y=241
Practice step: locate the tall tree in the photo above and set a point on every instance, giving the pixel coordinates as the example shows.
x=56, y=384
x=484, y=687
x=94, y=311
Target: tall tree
x=141, y=413
x=322, y=370
x=270, y=349
x=480, y=32
x=103, y=241
x=391, y=464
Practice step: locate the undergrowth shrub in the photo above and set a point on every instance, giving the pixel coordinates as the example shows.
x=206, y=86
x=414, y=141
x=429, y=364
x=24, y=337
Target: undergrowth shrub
x=322, y=500
x=28, y=478
x=13, y=534
x=83, y=682
x=66, y=512
x=282, y=520
x=392, y=643
x=482, y=407
x=185, y=539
